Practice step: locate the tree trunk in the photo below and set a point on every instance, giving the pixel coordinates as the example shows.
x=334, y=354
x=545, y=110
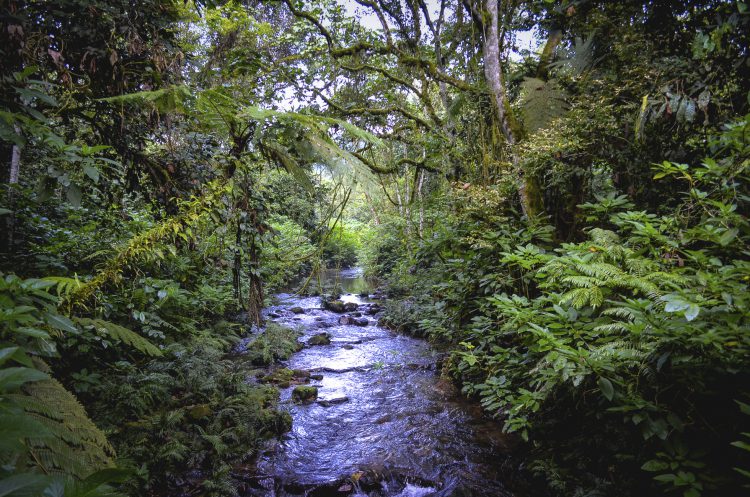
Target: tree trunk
x=237, y=268
x=420, y=230
x=528, y=188
x=13, y=175
x=255, y=292
x=15, y=165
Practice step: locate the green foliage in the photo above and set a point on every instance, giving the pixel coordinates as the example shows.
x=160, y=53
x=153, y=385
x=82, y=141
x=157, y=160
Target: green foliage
x=274, y=343
x=193, y=410
x=631, y=338
x=45, y=430
x=341, y=246
x=120, y=334
x=289, y=255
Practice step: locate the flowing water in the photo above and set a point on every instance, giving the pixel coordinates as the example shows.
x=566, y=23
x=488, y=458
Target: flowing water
x=384, y=422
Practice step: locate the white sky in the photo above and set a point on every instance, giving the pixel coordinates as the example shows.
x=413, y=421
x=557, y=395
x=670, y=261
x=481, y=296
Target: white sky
x=525, y=40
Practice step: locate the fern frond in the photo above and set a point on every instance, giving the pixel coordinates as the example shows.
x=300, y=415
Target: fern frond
x=72, y=443
x=611, y=328
x=65, y=286
x=583, y=281
x=621, y=312
x=541, y=102
x=121, y=334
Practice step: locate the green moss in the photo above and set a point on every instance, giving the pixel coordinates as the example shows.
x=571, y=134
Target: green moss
x=319, y=339
x=279, y=377
x=304, y=394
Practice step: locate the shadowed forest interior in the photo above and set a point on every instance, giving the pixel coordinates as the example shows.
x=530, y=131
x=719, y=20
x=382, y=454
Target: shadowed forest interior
x=374, y=248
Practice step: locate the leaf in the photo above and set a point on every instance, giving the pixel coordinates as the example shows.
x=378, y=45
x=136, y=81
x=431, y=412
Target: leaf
x=23, y=484
x=727, y=237
x=665, y=478
x=15, y=353
x=60, y=322
x=74, y=194
x=692, y=312
x=675, y=303
x=92, y=173
x=653, y=465
x=122, y=334
x=662, y=359
x=12, y=379
x=606, y=387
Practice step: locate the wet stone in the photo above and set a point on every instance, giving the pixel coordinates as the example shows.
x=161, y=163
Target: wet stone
x=319, y=339
x=297, y=310
x=346, y=320
x=334, y=306
x=304, y=394
x=334, y=401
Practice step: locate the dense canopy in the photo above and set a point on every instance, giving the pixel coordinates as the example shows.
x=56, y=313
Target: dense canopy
x=555, y=193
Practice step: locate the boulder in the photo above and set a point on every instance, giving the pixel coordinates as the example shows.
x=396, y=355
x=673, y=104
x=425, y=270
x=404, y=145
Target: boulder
x=304, y=394
x=331, y=402
x=350, y=306
x=373, y=309
x=319, y=339
x=334, y=306
x=361, y=322
x=297, y=310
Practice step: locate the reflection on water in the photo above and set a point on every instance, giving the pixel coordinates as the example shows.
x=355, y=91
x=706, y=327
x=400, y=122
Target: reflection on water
x=346, y=281
x=385, y=423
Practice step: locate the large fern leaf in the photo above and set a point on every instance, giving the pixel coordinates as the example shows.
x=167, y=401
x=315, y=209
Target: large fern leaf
x=71, y=443
x=121, y=334
x=541, y=103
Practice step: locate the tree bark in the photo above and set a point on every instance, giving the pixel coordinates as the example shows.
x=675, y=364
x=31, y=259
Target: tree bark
x=15, y=165
x=420, y=231
x=13, y=176
x=528, y=188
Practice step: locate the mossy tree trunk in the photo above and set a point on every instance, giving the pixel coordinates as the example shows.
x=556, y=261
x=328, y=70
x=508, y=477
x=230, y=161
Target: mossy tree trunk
x=529, y=191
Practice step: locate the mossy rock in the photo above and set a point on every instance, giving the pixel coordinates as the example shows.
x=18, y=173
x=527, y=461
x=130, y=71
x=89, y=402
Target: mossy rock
x=319, y=339
x=304, y=394
x=334, y=306
x=279, y=377
x=297, y=310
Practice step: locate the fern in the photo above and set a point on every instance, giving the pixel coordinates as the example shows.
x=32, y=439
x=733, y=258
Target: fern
x=65, y=286
x=121, y=334
x=71, y=443
x=541, y=102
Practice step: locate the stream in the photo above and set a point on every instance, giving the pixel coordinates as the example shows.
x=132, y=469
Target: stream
x=384, y=423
